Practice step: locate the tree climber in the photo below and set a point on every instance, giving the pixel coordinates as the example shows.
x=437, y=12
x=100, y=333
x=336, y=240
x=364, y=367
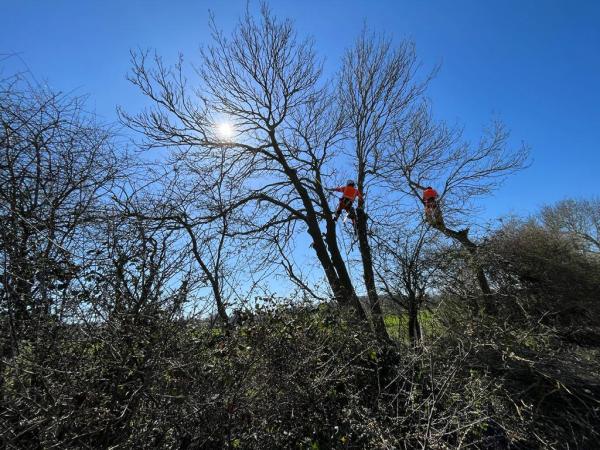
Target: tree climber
x=349, y=194
x=433, y=214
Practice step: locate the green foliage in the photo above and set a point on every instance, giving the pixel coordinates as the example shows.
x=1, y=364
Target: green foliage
x=397, y=325
x=291, y=376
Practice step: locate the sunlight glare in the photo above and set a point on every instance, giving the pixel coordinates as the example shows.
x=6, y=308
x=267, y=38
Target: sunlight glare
x=225, y=130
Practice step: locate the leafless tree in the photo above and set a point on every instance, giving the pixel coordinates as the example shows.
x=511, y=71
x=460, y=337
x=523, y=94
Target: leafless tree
x=267, y=85
x=429, y=152
x=193, y=198
x=56, y=164
x=378, y=85
x=407, y=265
x=579, y=219
x=140, y=268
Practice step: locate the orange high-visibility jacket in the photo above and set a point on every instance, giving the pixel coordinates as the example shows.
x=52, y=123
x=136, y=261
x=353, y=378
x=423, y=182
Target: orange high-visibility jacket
x=429, y=194
x=349, y=192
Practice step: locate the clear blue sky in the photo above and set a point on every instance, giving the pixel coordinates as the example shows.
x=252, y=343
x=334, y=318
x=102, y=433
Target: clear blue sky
x=533, y=64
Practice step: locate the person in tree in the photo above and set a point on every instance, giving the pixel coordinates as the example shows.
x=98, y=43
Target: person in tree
x=433, y=214
x=349, y=194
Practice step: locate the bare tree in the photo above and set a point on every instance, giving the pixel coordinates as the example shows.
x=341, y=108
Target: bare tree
x=140, y=268
x=195, y=199
x=267, y=85
x=431, y=153
x=407, y=265
x=579, y=219
x=56, y=164
x=377, y=88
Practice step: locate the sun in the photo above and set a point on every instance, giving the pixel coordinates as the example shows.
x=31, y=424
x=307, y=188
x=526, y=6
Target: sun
x=225, y=130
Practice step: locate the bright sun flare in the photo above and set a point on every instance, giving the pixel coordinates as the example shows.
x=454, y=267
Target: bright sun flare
x=225, y=130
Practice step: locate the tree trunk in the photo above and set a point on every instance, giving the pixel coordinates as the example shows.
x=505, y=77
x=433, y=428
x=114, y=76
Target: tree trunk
x=343, y=294
x=341, y=269
x=463, y=238
x=329, y=255
x=369, y=275
x=212, y=277
x=414, y=328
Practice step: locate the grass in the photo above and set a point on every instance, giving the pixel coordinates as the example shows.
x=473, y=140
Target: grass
x=397, y=324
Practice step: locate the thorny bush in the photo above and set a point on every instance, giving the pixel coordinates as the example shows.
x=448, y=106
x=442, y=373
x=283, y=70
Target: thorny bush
x=287, y=376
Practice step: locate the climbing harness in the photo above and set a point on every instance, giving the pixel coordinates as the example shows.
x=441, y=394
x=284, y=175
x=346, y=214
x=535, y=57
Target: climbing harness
x=433, y=214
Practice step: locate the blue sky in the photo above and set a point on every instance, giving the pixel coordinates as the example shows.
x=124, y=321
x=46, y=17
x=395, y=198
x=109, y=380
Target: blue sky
x=533, y=64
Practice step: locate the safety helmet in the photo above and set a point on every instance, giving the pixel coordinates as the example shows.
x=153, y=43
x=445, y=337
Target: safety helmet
x=350, y=183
